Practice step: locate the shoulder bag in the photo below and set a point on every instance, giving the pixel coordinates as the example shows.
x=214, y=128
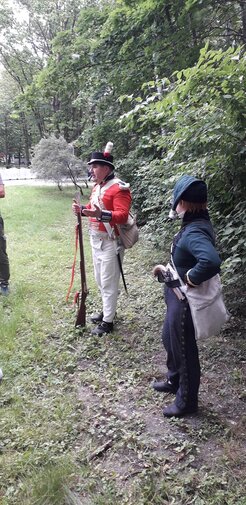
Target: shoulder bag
x=207, y=306
x=129, y=233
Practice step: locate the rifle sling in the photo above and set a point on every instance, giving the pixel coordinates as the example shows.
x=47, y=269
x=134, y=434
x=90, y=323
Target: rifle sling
x=74, y=261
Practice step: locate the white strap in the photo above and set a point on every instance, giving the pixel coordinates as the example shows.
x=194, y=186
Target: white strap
x=110, y=230
x=101, y=206
x=173, y=265
x=98, y=201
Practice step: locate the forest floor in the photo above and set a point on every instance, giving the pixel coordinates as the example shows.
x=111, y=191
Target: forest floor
x=146, y=458
x=80, y=423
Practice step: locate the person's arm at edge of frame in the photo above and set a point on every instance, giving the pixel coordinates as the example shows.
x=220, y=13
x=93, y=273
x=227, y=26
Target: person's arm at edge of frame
x=2, y=190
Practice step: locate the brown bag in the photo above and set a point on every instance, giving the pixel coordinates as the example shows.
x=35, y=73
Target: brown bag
x=129, y=233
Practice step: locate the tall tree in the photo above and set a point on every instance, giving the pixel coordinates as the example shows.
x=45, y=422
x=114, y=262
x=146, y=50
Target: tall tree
x=27, y=45
x=12, y=138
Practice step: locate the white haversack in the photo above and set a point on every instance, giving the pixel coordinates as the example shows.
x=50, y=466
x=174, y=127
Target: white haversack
x=129, y=233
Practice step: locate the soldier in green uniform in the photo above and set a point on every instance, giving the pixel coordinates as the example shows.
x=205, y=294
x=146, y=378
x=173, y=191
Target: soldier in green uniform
x=196, y=260
x=4, y=260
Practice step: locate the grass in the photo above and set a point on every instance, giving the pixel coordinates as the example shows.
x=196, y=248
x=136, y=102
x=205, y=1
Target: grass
x=79, y=422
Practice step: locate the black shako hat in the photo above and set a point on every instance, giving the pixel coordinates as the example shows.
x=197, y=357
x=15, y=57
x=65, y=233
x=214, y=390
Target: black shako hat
x=189, y=189
x=103, y=158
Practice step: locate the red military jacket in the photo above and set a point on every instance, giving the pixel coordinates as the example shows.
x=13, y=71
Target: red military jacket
x=113, y=195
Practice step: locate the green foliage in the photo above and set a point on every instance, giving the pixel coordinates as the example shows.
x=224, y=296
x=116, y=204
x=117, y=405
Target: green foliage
x=197, y=125
x=232, y=239
x=85, y=64
x=11, y=126
x=77, y=59
x=206, y=95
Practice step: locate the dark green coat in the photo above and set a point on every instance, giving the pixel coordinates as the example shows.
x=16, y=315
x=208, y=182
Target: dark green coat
x=194, y=249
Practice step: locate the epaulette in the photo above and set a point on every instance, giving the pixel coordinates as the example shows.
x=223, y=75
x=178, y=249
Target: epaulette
x=123, y=185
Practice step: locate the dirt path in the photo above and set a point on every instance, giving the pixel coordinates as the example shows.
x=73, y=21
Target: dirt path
x=126, y=442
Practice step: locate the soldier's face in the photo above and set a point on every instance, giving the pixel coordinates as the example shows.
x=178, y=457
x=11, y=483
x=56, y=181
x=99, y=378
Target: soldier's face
x=99, y=172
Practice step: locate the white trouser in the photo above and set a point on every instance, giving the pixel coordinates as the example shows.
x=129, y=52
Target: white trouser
x=107, y=273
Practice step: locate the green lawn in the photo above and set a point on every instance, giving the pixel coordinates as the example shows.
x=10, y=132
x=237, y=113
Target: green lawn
x=37, y=334
x=79, y=421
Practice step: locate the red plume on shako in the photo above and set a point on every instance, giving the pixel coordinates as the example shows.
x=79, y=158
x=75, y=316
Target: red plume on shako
x=108, y=149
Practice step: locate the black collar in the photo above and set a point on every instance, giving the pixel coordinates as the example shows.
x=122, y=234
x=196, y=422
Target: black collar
x=194, y=216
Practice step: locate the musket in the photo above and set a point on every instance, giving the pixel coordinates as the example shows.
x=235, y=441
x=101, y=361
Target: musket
x=81, y=296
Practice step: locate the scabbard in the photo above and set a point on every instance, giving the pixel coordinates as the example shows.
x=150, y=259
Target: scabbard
x=121, y=271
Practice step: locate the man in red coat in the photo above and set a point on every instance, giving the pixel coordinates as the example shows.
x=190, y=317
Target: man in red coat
x=109, y=205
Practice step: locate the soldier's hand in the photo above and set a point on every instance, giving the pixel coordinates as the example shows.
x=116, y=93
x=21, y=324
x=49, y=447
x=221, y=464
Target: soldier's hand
x=76, y=208
x=95, y=212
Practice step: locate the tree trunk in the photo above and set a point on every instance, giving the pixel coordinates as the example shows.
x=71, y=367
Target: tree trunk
x=39, y=122
x=193, y=30
x=243, y=9
x=26, y=138
x=169, y=17
x=73, y=179
x=6, y=141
